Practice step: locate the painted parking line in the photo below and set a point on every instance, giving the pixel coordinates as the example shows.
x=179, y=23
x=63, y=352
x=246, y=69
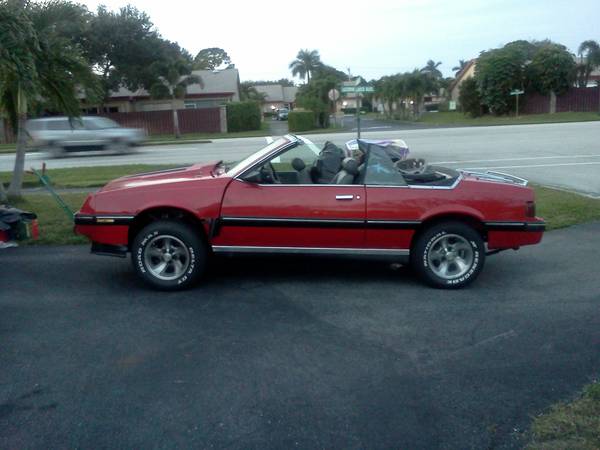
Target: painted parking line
x=516, y=159
x=526, y=166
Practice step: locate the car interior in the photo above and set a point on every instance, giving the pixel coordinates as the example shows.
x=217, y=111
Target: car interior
x=369, y=164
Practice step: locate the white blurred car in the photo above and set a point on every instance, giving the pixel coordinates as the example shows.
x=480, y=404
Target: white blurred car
x=60, y=135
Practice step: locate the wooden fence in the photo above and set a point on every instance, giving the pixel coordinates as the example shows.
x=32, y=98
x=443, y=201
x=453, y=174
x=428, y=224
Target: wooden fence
x=205, y=120
x=575, y=100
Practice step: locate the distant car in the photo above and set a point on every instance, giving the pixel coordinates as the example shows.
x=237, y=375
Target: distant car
x=296, y=198
x=282, y=114
x=60, y=135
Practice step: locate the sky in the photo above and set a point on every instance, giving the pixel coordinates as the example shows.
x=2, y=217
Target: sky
x=372, y=38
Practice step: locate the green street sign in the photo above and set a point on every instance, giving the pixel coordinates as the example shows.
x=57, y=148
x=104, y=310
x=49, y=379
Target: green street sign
x=517, y=92
x=356, y=89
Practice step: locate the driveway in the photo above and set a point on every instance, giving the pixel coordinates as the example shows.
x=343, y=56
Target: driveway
x=280, y=353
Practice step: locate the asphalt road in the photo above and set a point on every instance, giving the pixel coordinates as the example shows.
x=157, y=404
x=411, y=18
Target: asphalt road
x=565, y=155
x=280, y=353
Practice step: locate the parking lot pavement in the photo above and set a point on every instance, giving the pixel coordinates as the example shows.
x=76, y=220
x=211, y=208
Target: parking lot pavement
x=281, y=353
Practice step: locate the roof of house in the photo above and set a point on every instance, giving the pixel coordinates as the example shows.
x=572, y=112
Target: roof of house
x=213, y=82
x=461, y=73
x=277, y=92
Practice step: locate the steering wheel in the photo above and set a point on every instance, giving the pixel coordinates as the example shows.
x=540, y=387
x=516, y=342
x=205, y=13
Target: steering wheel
x=268, y=174
x=275, y=176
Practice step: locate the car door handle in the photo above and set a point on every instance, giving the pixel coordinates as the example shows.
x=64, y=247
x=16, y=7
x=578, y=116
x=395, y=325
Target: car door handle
x=344, y=197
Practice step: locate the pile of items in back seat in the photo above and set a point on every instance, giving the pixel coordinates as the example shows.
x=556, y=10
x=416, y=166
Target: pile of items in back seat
x=16, y=225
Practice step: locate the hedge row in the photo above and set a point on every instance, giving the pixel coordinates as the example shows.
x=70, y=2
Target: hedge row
x=243, y=116
x=301, y=120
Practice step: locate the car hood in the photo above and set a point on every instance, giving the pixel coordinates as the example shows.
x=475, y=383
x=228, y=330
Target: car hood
x=163, y=177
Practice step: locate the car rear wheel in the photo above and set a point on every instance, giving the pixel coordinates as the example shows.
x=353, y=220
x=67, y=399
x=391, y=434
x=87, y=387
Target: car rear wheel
x=448, y=255
x=169, y=255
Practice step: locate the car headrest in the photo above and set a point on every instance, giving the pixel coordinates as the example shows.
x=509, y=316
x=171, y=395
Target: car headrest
x=298, y=164
x=350, y=165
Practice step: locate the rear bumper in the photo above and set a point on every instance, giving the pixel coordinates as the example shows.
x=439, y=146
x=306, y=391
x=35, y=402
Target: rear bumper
x=503, y=235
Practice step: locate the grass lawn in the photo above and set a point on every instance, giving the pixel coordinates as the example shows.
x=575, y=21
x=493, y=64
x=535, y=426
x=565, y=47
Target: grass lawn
x=84, y=177
x=562, y=209
x=7, y=148
x=55, y=226
x=458, y=118
x=572, y=426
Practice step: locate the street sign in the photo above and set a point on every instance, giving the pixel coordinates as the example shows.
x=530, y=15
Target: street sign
x=517, y=92
x=333, y=95
x=357, y=89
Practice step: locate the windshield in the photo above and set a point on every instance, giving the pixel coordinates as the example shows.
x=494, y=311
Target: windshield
x=248, y=161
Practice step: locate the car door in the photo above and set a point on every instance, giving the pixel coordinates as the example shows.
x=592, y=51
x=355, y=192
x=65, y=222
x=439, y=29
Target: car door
x=392, y=209
x=293, y=213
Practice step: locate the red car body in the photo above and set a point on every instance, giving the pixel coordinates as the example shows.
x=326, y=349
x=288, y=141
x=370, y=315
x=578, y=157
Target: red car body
x=235, y=215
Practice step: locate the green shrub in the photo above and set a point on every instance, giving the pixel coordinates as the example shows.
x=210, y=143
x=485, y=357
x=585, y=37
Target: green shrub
x=470, y=98
x=243, y=116
x=444, y=106
x=301, y=120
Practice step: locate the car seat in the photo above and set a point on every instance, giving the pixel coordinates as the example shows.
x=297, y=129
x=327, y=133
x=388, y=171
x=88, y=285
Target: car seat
x=348, y=173
x=303, y=174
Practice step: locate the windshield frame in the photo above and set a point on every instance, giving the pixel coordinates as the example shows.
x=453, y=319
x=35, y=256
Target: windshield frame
x=270, y=150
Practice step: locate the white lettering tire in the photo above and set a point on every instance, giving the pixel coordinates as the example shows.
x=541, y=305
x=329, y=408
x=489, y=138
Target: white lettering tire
x=448, y=255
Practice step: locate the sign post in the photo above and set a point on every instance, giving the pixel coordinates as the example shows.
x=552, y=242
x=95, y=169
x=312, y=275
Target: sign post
x=516, y=93
x=334, y=96
x=357, y=90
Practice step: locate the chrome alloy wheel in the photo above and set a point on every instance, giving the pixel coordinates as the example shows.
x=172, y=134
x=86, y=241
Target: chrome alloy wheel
x=450, y=256
x=166, y=257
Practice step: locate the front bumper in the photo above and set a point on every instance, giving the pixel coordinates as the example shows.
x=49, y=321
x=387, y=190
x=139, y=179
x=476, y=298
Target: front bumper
x=112, y=230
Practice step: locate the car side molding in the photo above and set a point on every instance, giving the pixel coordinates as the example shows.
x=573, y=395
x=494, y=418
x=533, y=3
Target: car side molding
x=310, y=250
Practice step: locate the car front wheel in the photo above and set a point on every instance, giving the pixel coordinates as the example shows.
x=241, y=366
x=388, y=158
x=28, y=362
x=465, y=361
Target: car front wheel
x=448, y=255
x=169, y=255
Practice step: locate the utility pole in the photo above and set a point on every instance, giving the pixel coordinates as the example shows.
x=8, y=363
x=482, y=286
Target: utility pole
x=357, y=115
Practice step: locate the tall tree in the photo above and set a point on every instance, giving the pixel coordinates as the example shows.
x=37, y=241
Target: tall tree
x=306, y=62
x=37, y=66
x=249, y=92
x=501, y=70
x=173, y=76
x=211, y=59
x=122, y=46
x=461, y=65
x=552, y=69
x=432, y=69
x=589, y=59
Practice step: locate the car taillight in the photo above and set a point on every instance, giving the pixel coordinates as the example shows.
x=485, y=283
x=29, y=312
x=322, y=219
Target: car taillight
x=530, y=209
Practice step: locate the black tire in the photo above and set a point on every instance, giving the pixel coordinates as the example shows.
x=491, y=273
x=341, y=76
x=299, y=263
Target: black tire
x=189, y=255
x=448, y=255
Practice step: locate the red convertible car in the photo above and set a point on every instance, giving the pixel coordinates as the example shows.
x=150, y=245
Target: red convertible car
x=294, y=197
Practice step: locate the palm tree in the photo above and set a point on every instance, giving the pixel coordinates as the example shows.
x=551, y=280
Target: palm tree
x=249, y=92
x=306, y=62
x=173, y=78
x=589, y=58
x=432, y=69
x=38, y=68
x=461, y=65
x=417, y=85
